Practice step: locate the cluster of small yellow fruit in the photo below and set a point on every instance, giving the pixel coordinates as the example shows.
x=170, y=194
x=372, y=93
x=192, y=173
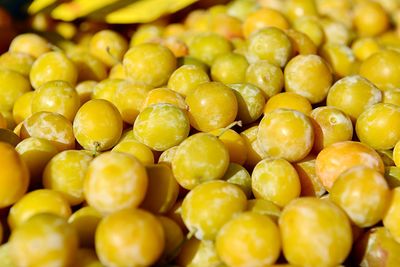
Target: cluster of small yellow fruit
x=256, y=133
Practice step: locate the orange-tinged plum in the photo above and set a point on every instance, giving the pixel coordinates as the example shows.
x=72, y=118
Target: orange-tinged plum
x=341, y=156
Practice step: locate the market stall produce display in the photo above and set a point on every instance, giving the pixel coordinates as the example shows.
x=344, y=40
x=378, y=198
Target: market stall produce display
x=200, y=133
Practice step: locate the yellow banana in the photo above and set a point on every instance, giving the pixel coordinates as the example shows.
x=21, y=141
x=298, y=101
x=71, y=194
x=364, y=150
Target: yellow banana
x=175, y=6
x=79, y=8
x=146, y=10
x=113, y=11
x=39, y=5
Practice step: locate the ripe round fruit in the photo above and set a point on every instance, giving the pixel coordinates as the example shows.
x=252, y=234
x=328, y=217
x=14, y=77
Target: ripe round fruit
x=250, y=239
x=379, y=118
x=376, y=22
x=128, y=98
x=53, y=66
x=250, y=101
x=186, y=78
x=264, y=17
x=391, y=96
x=107, y=89
x=30, y=43
x=331, y=125
x=56, y=96
x=36, y=202
x=89, y=68
x=142, y=152
x=199, y=158
x=210, y=205
x=212, y=105
x=275, y=180
x=382, y=69
x=198, y=253
x=234, y=143
x=364, y=47
x=175, y=214
x=162, y=190
x=12, y=86
x=301, y=43
x=254, y=151
x=312, y=27
x=65, y=173
x=14, y=176
x=285, y=133
x=108, y=46
x=154, y=69
x=164, y=95
x=315, y=232
x=363, y=194
x=266, y=76
x=340, y=58
x=84, y=90
x=36, y=152
x=288, y=100
x=208, y=46
x=353, y=95
x=44, y=240
x=308, y=76
x=270, y=44
x=51, y=126
x=396, y=154
x=85, y=221
x=236, y=174
x=167, y=155
x=368, y=248
x=392, y=216
x=16, y=61
x=115, y=181
x=129, y=238
x=341, y=156
x=117, y=72
x=264, y=207
x=22, y=107
x=97, y=125
x=161, y=126
x=173, y=236
x=229, y=68
x=335, y=32
x=146, y=33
